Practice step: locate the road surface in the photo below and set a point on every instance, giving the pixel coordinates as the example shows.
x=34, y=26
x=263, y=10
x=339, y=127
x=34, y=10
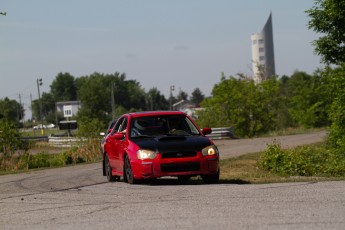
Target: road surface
x=79, y=198
x=237, y=147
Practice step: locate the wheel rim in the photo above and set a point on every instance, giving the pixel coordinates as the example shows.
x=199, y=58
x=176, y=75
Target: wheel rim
x=129, y=173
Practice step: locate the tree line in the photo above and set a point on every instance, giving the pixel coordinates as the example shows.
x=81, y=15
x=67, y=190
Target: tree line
x=253, y=109
x=301, y=100
x=103, y=96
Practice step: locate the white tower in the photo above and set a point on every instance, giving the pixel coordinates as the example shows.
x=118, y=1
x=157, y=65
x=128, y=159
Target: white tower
x=263, y=53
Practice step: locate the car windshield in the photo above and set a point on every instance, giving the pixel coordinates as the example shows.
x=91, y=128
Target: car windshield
x=153, y=126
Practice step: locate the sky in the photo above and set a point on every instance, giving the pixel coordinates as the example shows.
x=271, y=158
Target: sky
x=159, y=43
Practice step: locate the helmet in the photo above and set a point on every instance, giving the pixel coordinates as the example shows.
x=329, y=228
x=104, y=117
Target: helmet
x=141, y=124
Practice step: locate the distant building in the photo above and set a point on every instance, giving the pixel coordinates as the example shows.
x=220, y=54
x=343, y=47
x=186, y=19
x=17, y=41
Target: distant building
x=186, y=107
x=68, y=108
x=263, y=53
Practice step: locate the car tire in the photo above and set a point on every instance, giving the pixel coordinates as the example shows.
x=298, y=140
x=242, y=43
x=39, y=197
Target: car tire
x=128, y=172
x=211, y=178
x=108, y=170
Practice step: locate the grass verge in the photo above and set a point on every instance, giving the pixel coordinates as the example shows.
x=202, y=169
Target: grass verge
x=245, y=170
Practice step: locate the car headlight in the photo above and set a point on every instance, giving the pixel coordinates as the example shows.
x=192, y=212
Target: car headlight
x=210, y=151
x=143, y=154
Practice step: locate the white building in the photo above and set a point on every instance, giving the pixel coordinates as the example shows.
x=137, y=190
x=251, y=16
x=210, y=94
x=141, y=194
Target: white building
x=68, y=108
x=263, y=53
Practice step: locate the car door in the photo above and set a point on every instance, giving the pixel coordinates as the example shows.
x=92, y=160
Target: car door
x=112, y=144
x=119, y=145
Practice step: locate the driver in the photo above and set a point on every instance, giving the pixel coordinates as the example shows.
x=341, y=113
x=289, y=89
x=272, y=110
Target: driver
x=139, y=127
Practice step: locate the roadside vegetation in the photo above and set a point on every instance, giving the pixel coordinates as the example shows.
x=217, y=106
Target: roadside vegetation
x=251, y=168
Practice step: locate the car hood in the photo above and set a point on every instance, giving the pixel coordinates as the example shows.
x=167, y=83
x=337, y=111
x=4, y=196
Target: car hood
x=166, y=144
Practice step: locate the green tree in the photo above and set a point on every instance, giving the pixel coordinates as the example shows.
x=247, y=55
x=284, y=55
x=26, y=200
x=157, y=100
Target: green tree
x=182, y=96
x=197, y=96
x=337, y=110
x=48, y=108
x=136, y=96
x=155, y=100
x=63, y=88
x=89, y=128
x=242, y=104
x=9, y=138
x=308, y=100
x=94, y=94
x=11, y=110
x=101, y=95
x=327, y=18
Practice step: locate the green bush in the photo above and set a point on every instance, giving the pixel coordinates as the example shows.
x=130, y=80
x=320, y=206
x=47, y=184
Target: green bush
x=58, y=160
x=303, y=161
x=40, y=160
x=9, y=138
x=87, y=153
x=23, y=161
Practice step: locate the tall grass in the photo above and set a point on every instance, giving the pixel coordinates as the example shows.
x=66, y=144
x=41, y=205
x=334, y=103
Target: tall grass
x=88, y=152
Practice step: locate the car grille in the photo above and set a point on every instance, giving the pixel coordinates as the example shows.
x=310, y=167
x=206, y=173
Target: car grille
x=179, y=154
x=185, y=167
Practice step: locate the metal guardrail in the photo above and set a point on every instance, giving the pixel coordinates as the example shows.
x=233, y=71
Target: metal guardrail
x=64, y=142
x=222, y=133
x=35, y=138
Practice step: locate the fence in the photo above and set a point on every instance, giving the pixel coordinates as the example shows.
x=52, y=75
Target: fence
x=64, y=142
x=222, y=133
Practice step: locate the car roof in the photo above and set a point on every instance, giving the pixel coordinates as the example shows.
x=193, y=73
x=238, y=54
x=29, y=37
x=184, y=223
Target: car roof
x=155, y=113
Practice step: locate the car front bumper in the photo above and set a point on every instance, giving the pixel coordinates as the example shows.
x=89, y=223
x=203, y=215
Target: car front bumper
x=159, y=167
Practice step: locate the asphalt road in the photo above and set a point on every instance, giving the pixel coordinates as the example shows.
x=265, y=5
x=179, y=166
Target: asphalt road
x=79, y=198
x=237, y=147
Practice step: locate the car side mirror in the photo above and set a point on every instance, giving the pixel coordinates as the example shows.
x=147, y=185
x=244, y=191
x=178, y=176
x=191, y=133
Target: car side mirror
x=206, y=131
x=118, y=136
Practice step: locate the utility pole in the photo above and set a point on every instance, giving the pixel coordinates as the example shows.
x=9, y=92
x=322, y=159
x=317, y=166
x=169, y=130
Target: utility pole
x=113, y=100
x=31, y=109
x=172, y=88
x=21, y=112
x=39, y=83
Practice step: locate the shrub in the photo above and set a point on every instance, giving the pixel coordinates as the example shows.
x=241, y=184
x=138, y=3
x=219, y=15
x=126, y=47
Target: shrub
x=87, y=153
x=40, y=160
x=58, y=160
x=303, y=161
x=9, y=138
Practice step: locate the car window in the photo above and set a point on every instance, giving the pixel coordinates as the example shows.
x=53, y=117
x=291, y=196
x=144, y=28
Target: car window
x=162, y=125
x=118, y=125
x=191, y=127
x=123, y=125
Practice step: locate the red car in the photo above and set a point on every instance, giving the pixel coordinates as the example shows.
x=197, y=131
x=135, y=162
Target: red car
x=149, y=145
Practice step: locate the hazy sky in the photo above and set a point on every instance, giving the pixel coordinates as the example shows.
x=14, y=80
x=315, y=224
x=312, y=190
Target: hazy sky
x=186, y=43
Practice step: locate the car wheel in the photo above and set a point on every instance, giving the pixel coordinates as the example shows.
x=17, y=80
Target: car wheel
x=108, y=170
x=211, y=178
x=129, y=177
